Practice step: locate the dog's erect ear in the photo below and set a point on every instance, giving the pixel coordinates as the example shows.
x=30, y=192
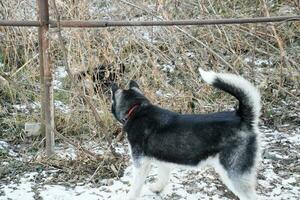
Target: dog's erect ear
x=133, y=84
x=114, y=88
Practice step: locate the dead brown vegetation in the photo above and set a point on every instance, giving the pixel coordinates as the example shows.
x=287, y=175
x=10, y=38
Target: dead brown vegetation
x=164, y=60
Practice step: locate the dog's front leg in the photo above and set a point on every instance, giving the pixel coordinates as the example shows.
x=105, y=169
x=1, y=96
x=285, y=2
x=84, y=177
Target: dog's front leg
x=140, y=172
x=163, y=178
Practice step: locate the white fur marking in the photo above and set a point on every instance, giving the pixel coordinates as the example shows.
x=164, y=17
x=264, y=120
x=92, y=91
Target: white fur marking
x=140, y=173
x=208, y=77
x=163, y=177
x=243, y=185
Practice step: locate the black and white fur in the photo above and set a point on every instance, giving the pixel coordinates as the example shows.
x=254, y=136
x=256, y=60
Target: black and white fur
x=227, y=141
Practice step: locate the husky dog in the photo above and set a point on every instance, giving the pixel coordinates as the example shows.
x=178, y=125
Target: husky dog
x=227, y=141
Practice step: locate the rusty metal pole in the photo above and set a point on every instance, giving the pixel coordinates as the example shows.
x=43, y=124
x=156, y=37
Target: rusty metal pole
x=46, y=73
x=199, y=22
x=42, y=83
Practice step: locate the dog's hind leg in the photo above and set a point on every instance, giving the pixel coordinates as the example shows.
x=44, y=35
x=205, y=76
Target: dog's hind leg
x=242, y=185
x=140, y=172
x=163, y=178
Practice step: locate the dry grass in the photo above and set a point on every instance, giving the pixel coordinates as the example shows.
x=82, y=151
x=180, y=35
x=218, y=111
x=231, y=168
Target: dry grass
x=149, y=54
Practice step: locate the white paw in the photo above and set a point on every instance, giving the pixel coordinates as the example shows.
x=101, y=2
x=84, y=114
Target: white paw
x=157, y=187
x=131, y=196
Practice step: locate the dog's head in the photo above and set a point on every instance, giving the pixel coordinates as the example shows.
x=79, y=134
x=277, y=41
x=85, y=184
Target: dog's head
x=126, y=101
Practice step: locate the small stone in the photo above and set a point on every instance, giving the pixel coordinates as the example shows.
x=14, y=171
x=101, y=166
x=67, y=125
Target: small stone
x=32, y=129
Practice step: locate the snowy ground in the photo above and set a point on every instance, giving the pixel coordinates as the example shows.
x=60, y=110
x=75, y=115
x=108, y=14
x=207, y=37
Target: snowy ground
x=278, y=178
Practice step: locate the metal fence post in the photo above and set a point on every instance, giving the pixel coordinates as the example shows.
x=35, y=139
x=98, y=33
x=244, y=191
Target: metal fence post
x=46, y=73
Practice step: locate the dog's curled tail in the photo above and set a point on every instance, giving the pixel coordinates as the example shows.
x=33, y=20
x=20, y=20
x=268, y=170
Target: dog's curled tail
x=247, y=94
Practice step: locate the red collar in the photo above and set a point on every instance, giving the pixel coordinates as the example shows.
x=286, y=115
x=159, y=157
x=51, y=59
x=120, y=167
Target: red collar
x=130, y=112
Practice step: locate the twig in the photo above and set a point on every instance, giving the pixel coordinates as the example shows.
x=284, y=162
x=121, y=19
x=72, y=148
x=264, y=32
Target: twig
x=280, y=44
x=25, y=64
x=95, y=172
x=3, y=81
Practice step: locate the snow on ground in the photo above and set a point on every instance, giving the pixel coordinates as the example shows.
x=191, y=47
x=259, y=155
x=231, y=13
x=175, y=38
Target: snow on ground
x=275, y=179
x=4, y=147
x=258, y=61
x=59, y=74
